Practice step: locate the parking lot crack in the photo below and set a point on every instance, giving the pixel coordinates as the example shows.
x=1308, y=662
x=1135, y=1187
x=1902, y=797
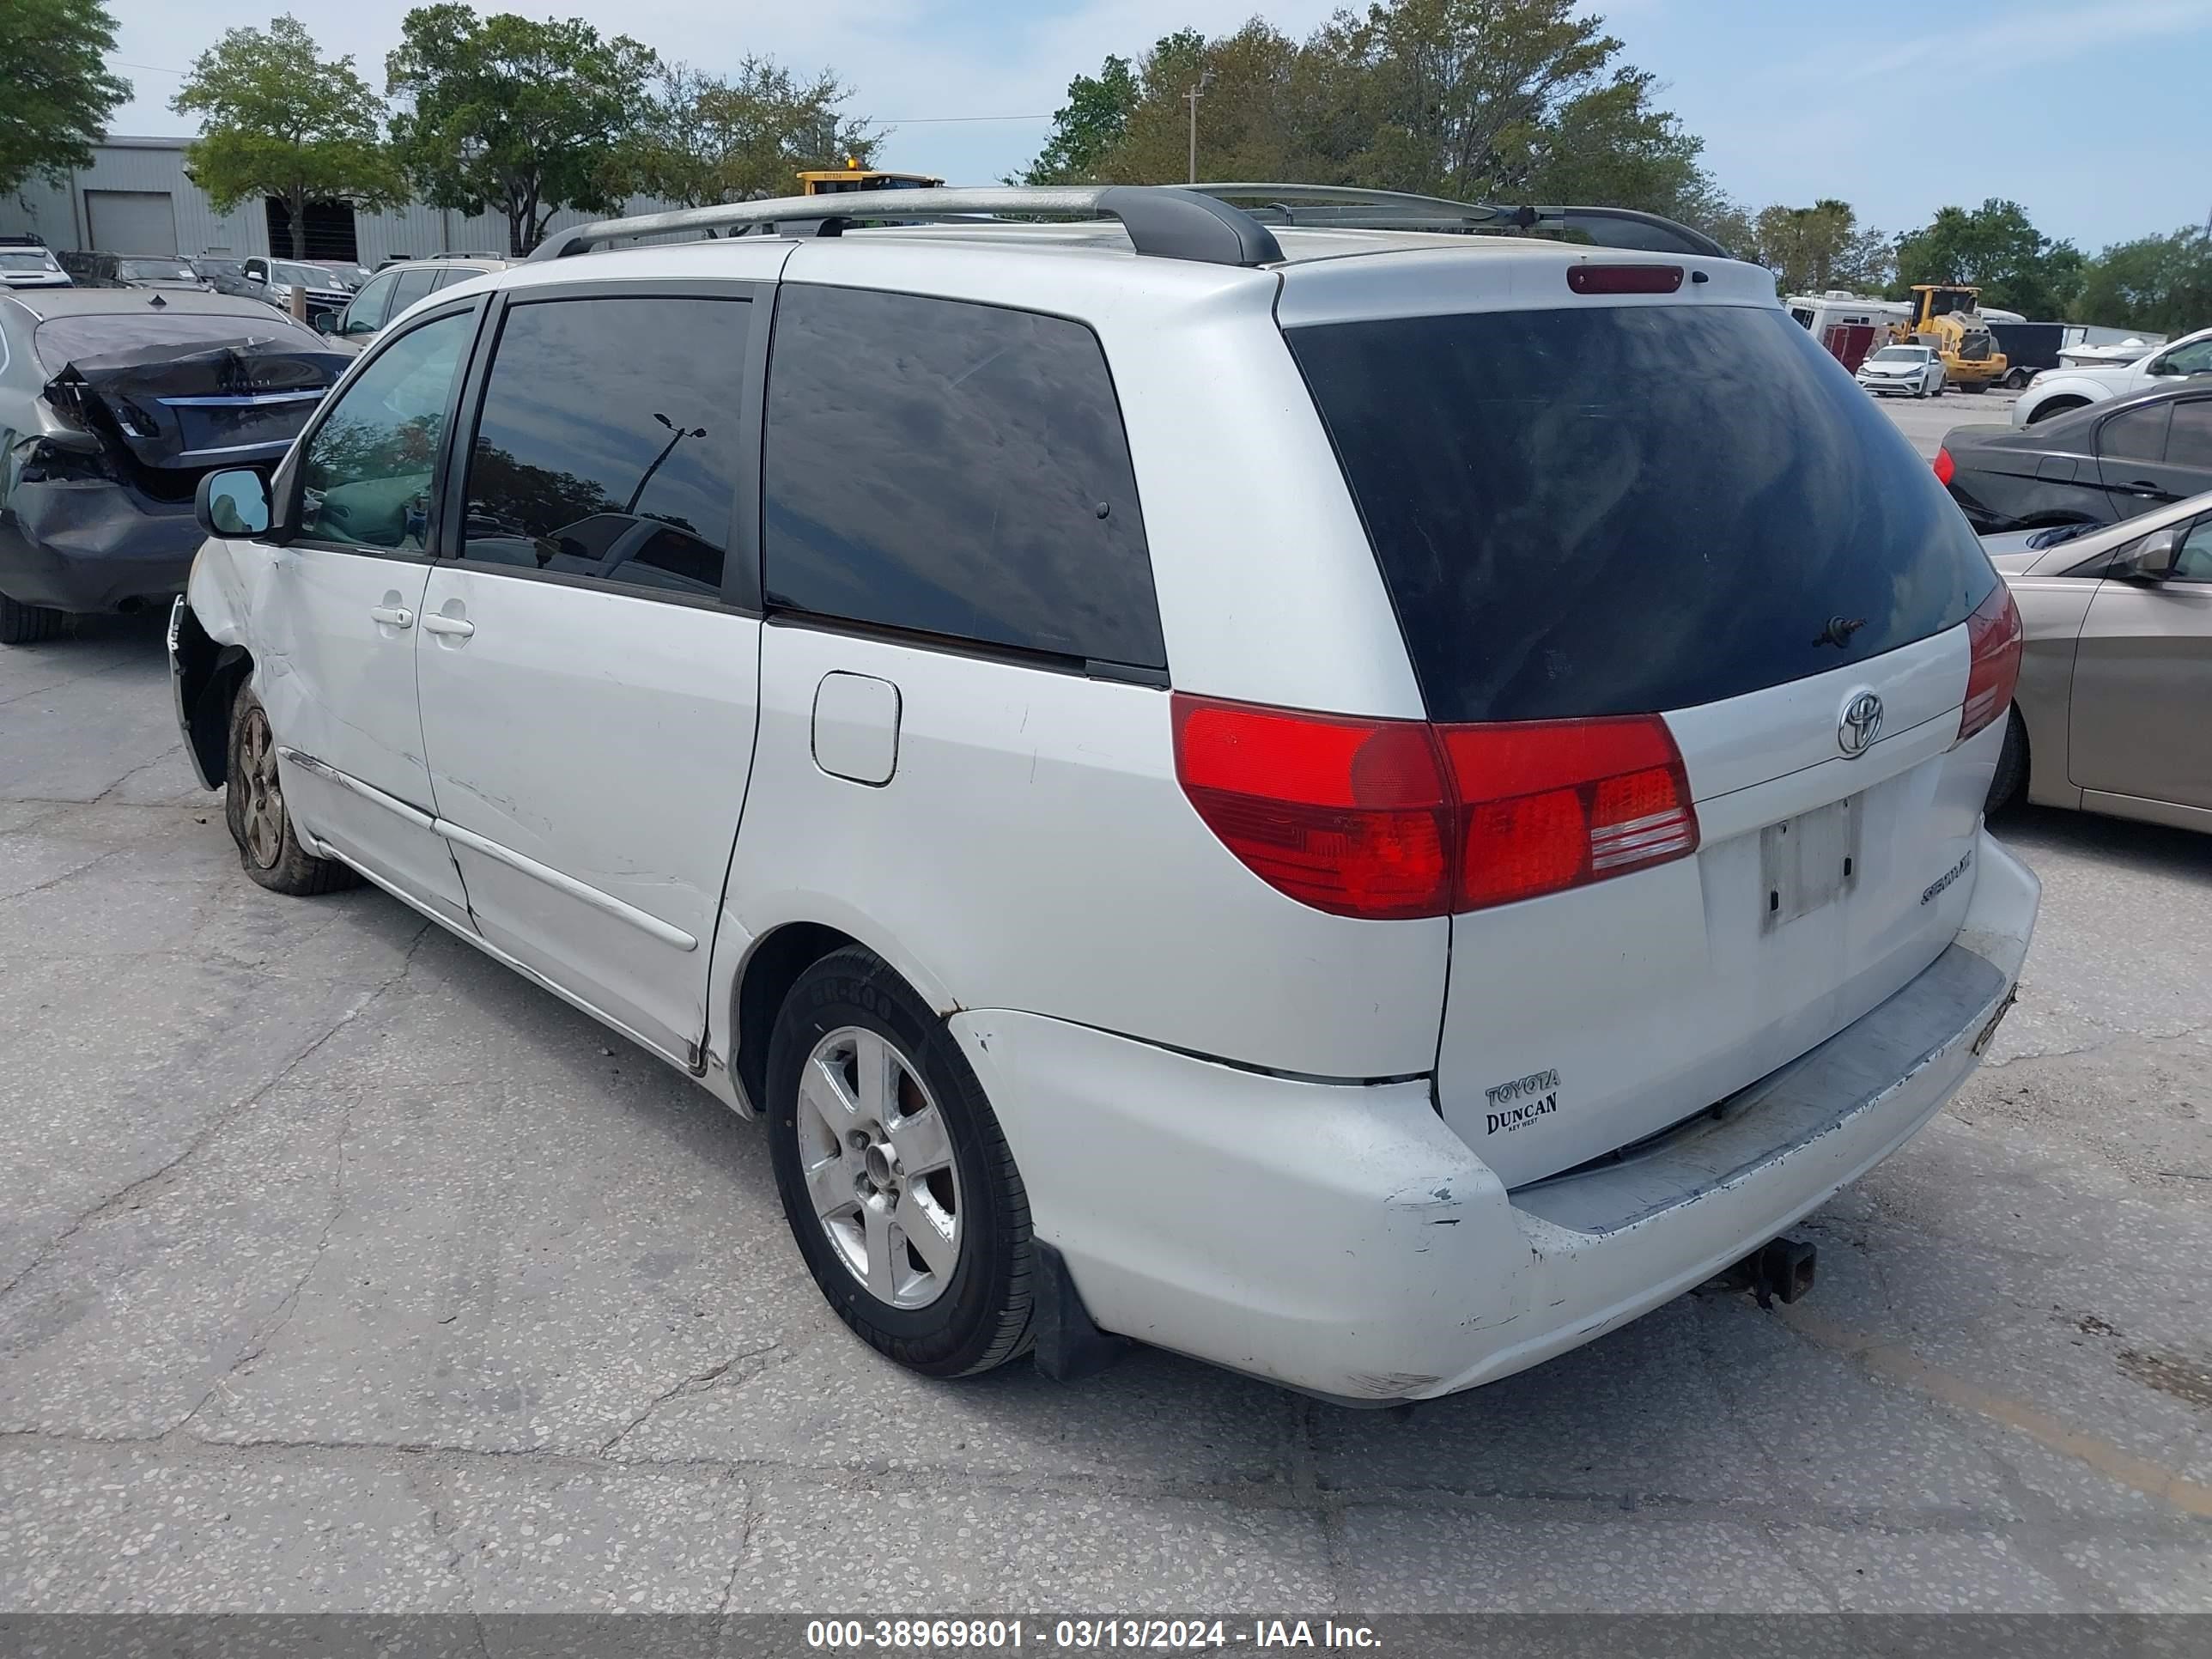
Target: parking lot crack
x=1773, y=1535
x=699, y=1383
x=69, y=874
x=146, y=766
x=258, y=1343
x=747, y=1521
x=128, y=1197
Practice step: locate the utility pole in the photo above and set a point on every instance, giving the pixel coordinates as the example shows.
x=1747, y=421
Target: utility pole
x=1192, y=98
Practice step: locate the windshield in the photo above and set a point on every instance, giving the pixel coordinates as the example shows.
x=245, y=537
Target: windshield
x=62, y=340
x=16, y=258
x=156, y=270
x=1621, y=509
x=1901, y=355
x=306, y=276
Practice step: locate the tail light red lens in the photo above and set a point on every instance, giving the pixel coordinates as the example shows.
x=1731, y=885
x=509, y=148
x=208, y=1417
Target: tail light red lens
x=1946, y=468
x=1546, y=805
x=1994, y=641
x=1348, y=816
x=1398, y=818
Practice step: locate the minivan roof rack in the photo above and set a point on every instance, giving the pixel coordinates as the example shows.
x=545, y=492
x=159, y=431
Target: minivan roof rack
x=1352, y=207
x=1167, y=223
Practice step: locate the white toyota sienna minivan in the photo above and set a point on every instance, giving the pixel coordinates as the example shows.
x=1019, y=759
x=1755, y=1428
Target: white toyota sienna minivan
x=1363, y=804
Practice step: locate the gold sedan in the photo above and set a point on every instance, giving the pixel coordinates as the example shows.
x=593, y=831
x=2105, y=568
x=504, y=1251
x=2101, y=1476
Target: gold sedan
x=2114, y=709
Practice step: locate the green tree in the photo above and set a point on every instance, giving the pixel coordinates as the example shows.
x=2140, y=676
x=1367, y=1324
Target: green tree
x=2159, y=283
x=529, y=117
x=1248, y=117
x=714, y=138
x=1612, y=146
x=55, y=91
x=1997, y=248
x=279, y=119
x=1813, y=249
x=1480, y=100
x=1087, y=128
x=1459, y=92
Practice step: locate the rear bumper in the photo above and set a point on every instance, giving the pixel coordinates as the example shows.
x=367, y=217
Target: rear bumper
x=91, y=546
x=1340, y=1239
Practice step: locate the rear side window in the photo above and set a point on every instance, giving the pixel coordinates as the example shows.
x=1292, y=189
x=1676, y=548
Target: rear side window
x=412, y=286
x=2139, y=435
x=2188, y=439
x=608, y=442
x=955, y=469
x=1622, y=509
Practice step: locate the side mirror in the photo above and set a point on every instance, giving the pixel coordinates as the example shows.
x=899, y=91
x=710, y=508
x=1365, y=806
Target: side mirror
x=255, y=277
x=233, y=502
x=2151, y=559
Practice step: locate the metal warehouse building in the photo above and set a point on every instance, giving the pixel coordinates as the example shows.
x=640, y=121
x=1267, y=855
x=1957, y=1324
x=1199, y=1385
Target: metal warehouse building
x=136, y=198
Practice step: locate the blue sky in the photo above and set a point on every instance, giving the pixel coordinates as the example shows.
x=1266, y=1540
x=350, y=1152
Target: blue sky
x=1795, y=101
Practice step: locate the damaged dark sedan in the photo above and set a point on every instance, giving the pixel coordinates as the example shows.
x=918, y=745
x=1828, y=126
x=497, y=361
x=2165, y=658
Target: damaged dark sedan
x=113, y=404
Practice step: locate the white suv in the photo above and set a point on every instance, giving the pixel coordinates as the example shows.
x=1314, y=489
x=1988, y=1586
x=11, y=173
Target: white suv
x=2057, y=390
x=1311, y=798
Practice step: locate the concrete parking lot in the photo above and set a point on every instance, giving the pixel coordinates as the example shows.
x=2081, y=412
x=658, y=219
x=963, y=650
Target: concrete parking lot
x=341, y=1269
x=1925, y=420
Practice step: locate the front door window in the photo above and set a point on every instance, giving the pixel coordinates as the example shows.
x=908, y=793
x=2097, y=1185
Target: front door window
x=366, y=478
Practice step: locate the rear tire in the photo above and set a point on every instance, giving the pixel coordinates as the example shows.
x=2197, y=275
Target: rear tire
x=862, y=1170
x=27, y=625
x=2011, y=775
x=259, y=822
x=2055, y=408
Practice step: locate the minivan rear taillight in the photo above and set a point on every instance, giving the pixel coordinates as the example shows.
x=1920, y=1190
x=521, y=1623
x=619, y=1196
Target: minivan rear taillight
x=1390, y=819
x=1994, y=640
x=1546, y=805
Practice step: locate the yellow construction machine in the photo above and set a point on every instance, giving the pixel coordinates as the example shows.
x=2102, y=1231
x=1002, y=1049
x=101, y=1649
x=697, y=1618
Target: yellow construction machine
x=831, y=181
x=1946, y=318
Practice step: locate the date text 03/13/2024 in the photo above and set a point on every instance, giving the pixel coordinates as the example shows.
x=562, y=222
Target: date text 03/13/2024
x=1078, y=1635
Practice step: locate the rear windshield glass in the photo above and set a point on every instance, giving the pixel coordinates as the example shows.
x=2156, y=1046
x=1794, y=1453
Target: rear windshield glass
x=1621, y=509
x=65, y=339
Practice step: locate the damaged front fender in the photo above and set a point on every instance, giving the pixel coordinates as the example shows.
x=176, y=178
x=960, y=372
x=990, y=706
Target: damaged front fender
x=203, y=676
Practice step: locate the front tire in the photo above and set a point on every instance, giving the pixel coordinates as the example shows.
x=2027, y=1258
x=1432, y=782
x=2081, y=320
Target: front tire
x=27, y=625
x=895, y=1178
x=259, y=822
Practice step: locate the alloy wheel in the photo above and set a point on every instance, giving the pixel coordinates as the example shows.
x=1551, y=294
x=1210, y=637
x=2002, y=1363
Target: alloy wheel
x=265, y=792
x=878, y=1160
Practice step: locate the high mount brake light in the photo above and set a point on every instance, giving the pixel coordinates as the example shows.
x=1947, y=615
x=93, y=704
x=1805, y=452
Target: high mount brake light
x=1392, y=819
x=1994, y=639
x=1624, y=279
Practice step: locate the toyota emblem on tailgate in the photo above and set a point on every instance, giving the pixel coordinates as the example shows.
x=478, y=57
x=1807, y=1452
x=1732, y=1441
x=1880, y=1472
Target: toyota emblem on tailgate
x=1862, y=720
